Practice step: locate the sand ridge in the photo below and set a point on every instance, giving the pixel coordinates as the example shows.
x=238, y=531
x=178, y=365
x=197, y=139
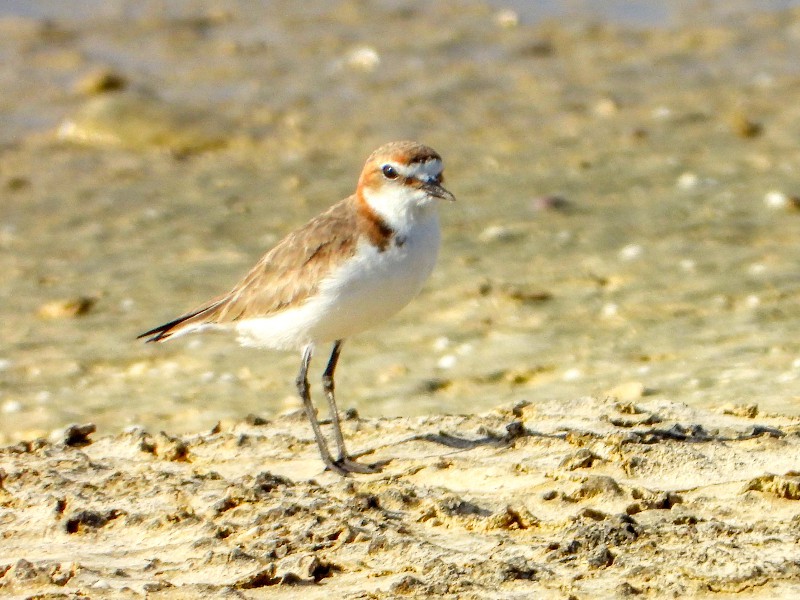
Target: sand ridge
x=591, y=498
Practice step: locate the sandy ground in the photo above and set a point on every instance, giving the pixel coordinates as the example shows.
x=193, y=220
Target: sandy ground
x=594, y=498
x=628, y=209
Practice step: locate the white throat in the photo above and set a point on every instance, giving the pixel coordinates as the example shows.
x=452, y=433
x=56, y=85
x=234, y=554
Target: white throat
x=402, y=208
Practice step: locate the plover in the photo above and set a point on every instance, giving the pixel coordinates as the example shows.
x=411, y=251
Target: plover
x=346, y=270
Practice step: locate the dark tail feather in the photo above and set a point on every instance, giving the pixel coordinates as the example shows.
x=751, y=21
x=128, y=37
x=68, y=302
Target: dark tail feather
x=163, y=332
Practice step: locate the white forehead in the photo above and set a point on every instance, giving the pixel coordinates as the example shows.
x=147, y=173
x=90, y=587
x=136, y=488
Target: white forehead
x=424, y=171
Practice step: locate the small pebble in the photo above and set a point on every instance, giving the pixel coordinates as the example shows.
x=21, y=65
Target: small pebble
x=525, y=293
x=662, y=113
x=11, y=406
x=433, y=385
x=497, y=233
x=448, y=361
x=100, y=81
x=776, y=199
x=688, y=181
x=363, y=58
x=506, y=18
x=66, y=308
x=752, y=301
x=609, y=310
x=745, y=127
x=441, y=343
x=606, y=107
x=548, y=203
x=630, y=252
x=78, y=435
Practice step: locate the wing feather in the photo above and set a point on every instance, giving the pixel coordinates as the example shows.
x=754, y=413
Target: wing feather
x=284, y=277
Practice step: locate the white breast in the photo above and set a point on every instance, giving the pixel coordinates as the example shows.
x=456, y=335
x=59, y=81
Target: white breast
x=365, y=290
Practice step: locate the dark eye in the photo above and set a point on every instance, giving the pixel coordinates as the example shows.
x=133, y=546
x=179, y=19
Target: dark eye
x=389, y=172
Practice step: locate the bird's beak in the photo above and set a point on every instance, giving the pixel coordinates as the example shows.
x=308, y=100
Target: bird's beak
x=437, y=191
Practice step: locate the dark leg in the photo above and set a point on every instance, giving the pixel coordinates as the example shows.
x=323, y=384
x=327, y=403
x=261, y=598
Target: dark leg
x=328, y=385
x=305, y=396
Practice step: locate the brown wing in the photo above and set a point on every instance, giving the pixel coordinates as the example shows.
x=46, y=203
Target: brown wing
x=284, y=277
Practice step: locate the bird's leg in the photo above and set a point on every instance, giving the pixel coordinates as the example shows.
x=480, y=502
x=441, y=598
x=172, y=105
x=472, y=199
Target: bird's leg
x=344, y=460
x=305, y=396
x=328, y=387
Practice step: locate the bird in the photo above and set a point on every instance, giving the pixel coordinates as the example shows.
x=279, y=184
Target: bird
x=345, y=271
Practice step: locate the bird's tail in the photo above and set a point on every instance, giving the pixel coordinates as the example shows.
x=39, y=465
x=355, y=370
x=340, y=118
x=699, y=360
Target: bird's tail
x=183, y=324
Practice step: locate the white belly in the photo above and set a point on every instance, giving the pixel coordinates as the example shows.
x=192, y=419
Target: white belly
x=366, y=290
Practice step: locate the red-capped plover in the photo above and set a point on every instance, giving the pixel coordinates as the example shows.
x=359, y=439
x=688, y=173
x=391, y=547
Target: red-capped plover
x=347, y=269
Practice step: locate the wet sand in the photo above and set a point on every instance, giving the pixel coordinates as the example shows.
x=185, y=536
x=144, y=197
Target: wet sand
x=627, y=204
x=583, y=499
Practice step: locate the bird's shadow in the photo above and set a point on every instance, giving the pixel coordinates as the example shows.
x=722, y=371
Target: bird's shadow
x=459, y=443
x=514, y=431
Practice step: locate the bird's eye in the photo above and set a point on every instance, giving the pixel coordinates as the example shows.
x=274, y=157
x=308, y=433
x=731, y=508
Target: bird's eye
x=389, y=172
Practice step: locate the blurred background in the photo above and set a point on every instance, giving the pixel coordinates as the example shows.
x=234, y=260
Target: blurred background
x=627, y=174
